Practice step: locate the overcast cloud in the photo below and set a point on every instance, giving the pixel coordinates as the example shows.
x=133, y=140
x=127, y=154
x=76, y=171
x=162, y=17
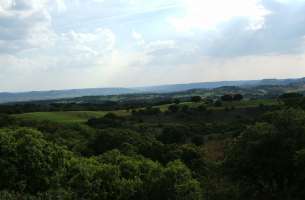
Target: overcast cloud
x=47, y=44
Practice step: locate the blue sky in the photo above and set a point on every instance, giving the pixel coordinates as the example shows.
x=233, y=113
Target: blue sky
x=61, y=44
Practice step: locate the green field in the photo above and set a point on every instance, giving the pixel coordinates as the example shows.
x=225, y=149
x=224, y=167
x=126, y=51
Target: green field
x=83, y=116
x=66, y=117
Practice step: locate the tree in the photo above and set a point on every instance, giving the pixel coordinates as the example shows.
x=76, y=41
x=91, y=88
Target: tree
x=173, y=134
x=185, y=108
x=196, y=99
x=290, y=95
x=178, y=183
x=6, y=120
x=237, y=97
x=202, y=108
x=28, y=163
x=262, y=159
x=110, y=120
x=227, y=97
x=143, y=173
x=291, y=99
x=173, y=108
x=109, y=139
x=300, y=166
x=176, y=101
x=218, y=103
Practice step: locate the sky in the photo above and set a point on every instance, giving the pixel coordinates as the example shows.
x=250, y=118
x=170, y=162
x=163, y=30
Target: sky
x=65, y=44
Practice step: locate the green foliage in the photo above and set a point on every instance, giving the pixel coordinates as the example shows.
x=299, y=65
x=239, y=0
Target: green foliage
x=33, y=168
x=178, y=183
x=237, y=97
x=115, y=176
x=123, y=139
x=174, y=134
x=171, y=151
x=262, y=159
x=190, y=154
x=173, y=108
x=218, y=103
x=291, y=99
x=227, y=97
x=110, y=120
x=6, y=120
x=28, y=163
x=177, y=101
x=196, y=99
x=232, y=97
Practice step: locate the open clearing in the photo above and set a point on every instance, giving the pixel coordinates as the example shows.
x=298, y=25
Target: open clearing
x=66, y=117
x=83, y=116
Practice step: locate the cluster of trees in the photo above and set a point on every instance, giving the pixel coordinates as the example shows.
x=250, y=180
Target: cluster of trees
x=184, y=153
x=267, y=159
x=50, y=106
x=33, y=168
x=232, y=97
x=293, y=100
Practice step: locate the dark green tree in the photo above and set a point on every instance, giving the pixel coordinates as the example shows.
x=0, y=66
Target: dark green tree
x=262, y=159
x=196, y=99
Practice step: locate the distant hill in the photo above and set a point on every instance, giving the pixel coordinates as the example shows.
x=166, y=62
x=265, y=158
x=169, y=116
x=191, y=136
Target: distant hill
x=61, y=94
x=212, y=85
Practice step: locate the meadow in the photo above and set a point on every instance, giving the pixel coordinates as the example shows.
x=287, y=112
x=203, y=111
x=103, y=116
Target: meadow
x=84, y=116
x=67, y=116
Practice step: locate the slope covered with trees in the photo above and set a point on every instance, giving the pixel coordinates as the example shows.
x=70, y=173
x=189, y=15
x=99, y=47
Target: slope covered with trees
x=201, y=150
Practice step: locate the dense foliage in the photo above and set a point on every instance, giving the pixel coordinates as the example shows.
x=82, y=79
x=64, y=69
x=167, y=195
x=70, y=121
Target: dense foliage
x=205, y=149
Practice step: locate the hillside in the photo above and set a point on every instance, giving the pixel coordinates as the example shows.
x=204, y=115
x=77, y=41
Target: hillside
x=60, y=94
x=249, y=92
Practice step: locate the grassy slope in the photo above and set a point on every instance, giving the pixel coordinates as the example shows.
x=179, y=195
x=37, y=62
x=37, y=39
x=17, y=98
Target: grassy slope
x=83, y=116
x=66, y=117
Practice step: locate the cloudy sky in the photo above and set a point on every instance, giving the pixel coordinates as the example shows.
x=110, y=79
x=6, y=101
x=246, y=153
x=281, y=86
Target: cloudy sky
x=60, y=44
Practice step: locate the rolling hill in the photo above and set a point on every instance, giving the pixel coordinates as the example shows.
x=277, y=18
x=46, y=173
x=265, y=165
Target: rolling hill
x=6, y=97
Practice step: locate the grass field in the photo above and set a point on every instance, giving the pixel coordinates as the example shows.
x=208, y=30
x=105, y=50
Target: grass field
x=66, y=117
x=83, y=116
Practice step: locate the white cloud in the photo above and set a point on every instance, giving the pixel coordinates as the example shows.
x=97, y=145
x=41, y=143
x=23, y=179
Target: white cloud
x=207, y=15
x=77, y=59
x=79, y=50
x=209, y=69
x=281, y=34
x=25, y=24
x=126, y=69
x=153, y=46
x=75, y=43
x=290, y=1
x=61, y=5
x=138, y=37
x=158, y=53
x=99, y=41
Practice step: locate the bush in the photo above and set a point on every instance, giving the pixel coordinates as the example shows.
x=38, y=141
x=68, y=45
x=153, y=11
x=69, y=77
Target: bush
x=28, y=163
x=196, y=99
x=173, y=108
x=262, y=159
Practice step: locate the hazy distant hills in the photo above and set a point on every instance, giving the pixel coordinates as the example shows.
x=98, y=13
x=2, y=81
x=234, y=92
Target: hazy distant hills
x=59, y=94
x=212, y=85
